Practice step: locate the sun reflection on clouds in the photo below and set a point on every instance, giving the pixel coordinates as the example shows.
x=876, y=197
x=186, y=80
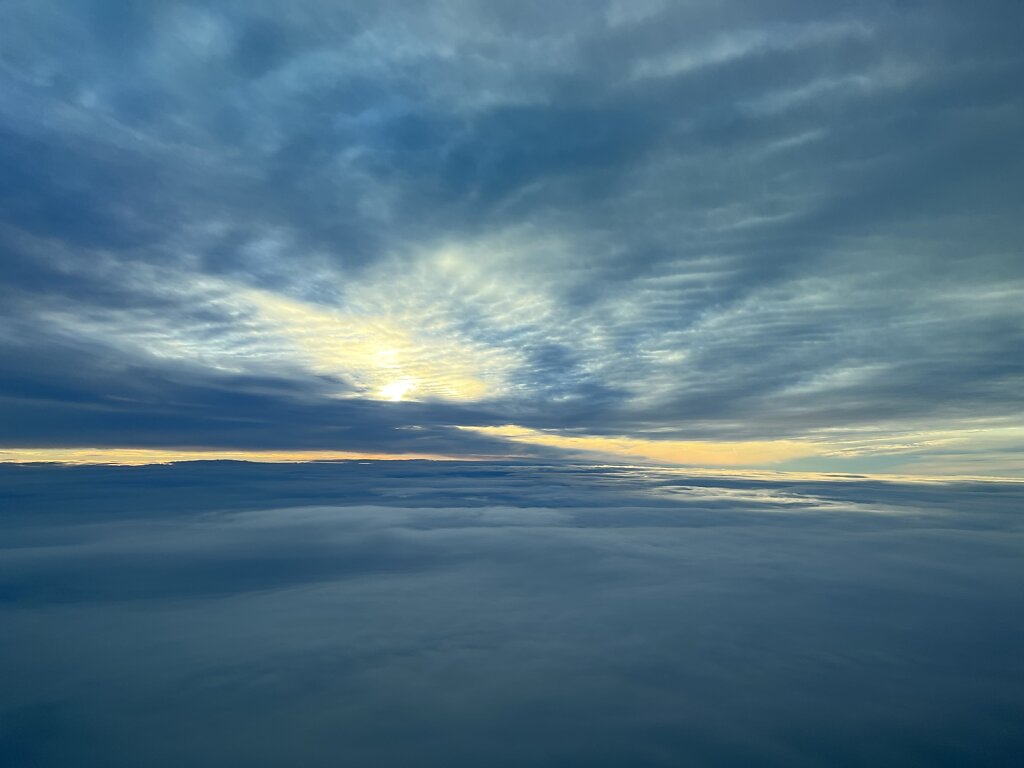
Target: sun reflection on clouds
x=438, y=327
x=397, y=391
x=385, y=357
x=678, y=452
x=388, y=335
x=450, y=321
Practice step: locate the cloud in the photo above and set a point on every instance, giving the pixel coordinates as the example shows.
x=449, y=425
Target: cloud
x=677, y=452
x=684, y=222
x=422, y=612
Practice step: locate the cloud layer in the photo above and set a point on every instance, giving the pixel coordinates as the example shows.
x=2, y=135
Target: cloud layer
x=243, y=226
x=389, y=614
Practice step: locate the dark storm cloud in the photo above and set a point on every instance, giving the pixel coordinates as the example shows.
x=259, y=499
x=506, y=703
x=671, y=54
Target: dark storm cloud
x=719, y=221
x=414, y=612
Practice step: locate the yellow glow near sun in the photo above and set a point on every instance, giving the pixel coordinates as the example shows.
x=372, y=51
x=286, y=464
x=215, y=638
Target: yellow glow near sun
x=682, y=452
x=442, y=318
x=397, y=390
x=386, y=357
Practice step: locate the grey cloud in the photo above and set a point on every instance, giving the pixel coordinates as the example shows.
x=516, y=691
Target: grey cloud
x=698, y=169
x=448, y=614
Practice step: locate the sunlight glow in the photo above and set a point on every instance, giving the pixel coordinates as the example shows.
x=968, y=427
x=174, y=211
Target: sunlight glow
x=383, y=357
x=679, y=452
x=397, y=390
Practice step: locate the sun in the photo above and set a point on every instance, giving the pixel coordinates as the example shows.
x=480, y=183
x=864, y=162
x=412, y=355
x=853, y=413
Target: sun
x=397, y=390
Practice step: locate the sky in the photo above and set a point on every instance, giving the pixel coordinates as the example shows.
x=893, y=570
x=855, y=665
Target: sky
x=449, y=614
x=724, y=234
x=563, y=384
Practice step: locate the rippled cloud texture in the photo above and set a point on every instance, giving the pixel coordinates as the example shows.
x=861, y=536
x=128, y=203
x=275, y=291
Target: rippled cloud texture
x=467, y=614
x=727, y=234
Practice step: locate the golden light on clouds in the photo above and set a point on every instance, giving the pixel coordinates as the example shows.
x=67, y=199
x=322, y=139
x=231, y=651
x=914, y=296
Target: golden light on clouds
x=696, y=452
x=383, y=357
x=397, y=391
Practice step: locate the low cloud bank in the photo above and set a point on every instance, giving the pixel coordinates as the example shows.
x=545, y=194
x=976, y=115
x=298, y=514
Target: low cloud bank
x=406, y=613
